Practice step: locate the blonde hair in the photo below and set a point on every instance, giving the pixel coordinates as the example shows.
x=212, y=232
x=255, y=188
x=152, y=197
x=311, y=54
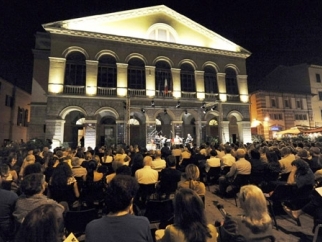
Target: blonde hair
x=253, y=202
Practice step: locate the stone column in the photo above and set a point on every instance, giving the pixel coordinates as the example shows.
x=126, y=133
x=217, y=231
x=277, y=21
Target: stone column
x=200, y=84
x=56, y=75
x=121, y=79
x=243, y=88
x=90, y=133
x=91, y=77
x=222, y=86
x=176, y=84
x=225, y=131
x=55, y=131
x=246, y=134
x=150, y=80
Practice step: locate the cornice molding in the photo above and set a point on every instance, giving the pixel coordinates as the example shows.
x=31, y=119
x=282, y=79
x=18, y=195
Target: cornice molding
x=145, y=42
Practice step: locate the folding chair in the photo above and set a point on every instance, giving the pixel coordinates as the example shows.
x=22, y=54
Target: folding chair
x=76, y=221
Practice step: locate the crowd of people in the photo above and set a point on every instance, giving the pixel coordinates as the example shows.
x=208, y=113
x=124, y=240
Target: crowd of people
x=65, y=179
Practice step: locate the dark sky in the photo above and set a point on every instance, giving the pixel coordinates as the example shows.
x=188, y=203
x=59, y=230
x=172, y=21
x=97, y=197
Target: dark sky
x=277, y=32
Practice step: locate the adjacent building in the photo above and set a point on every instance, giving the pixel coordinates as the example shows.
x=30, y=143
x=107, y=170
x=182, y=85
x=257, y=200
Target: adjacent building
x=124, y=77
x=15, y=109
x=288, y=97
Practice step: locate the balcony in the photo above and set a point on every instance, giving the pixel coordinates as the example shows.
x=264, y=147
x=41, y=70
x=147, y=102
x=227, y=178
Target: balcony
x=188, y=95
x=137, y=92
x=163, y=94
x=211, y=96
x=233, y=98
x=106, y=91
x=74, y=90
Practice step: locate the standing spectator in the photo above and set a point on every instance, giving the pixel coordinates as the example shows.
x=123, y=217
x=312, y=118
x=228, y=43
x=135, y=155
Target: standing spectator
x=120, y=224
x=165, y=151
x=7, y=205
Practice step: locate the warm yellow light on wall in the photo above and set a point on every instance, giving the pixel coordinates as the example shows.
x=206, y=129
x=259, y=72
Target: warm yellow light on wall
x=223, y=97
x=244, y=98
x=201, y=95
x=55, y=88
x=255, y=123
x=91, y=90
x=121, y=91
x=150, y=93
x=176, y=94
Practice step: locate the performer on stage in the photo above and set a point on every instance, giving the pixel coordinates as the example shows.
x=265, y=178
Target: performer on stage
x=189, y=139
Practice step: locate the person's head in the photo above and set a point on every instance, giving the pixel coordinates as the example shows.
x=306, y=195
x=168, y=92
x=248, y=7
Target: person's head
x=33, y=184
x=285, y=151
x=240, y=153
x=40, y=225
x=271, y=156
x=254, y=153
x=120, y=193
x=76, y=162
x=303, y=154
x=213, y=152
x=147, y=160
x=189, y=215
x=315, y=151
x=157, y=154
x=302, y=167
x=227, y=149
x=124, y=170
x=32, y=168
x=61, y=174
x=171, y=161
x=192, y=172
x=253, y=202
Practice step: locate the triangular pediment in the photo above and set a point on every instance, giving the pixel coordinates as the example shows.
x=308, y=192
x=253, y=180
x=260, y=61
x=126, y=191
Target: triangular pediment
x=158, y=23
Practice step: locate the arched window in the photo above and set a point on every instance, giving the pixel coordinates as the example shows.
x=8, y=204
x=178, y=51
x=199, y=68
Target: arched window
x=136, y=74
x=106, y=76
x=210, y=78
x=75, y=72
x=231, y=82
x=187, y=76
x=162, y=75
x=162, y=32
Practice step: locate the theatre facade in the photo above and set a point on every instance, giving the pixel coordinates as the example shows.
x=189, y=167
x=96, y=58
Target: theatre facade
x=124, y=77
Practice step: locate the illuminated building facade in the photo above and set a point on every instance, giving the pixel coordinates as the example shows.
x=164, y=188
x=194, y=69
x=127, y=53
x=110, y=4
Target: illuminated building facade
x=123, y=77
x=15, y=110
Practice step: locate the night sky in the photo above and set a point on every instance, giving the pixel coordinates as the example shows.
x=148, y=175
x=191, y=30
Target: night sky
x=277, y=32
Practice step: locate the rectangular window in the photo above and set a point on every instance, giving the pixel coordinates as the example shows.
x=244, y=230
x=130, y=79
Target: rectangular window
x=9, y=101
x=318, y=78
x=320, y=96
x=273, y=103
x=301, y=116
x=298, y=104
x=286, y=103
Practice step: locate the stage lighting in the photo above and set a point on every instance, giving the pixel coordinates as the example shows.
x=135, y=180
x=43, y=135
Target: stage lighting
x=178, y=104
x=213, y=108
x=203, y=106
x=142, y=110
x=152, y=103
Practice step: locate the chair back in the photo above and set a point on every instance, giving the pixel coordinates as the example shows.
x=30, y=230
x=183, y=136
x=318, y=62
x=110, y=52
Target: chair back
x=241, y=180
x=225, y=170
x=213, y=174
x=76, y=221
x=159, y=211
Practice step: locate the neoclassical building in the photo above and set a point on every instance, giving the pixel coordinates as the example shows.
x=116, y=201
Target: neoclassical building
x=123, y=77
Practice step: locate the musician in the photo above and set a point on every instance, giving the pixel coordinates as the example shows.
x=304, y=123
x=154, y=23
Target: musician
x=178, y=140
x=157, y=140
x=189, y=139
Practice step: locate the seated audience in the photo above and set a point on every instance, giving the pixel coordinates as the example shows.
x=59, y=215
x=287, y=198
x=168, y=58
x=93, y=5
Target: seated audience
x=77, y=169
x=190, y=180
x=41, y=224
x=190, y=222
x=255, y=223
x=147, y=175
x=158, y=164
x=120, y=224
x=32, y=188
x=286, y=160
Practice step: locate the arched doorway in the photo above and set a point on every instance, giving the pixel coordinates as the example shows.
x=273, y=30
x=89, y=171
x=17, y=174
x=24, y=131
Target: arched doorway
x=189, y=127
x=233, y=130
x=137, y=133
x=74, y=129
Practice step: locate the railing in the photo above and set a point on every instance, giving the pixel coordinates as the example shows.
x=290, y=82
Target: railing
x=188, y=94
x=163, y=94
x=106, y=91
x=233, y=98
x=136, y=92
x=76, y=90
x=212, y=96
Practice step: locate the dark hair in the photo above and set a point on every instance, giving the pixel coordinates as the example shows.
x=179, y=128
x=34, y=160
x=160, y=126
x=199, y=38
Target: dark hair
x=273, y=162
x=123, y=170
x=32, y=184
x=91, y=167
x=40, y=225
x=61, y=174
x=189, y=215
x=171, y=160
x=32, y=168
x=254, y=153
x=121, y=191
x=213, y=152
x=301, y=165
